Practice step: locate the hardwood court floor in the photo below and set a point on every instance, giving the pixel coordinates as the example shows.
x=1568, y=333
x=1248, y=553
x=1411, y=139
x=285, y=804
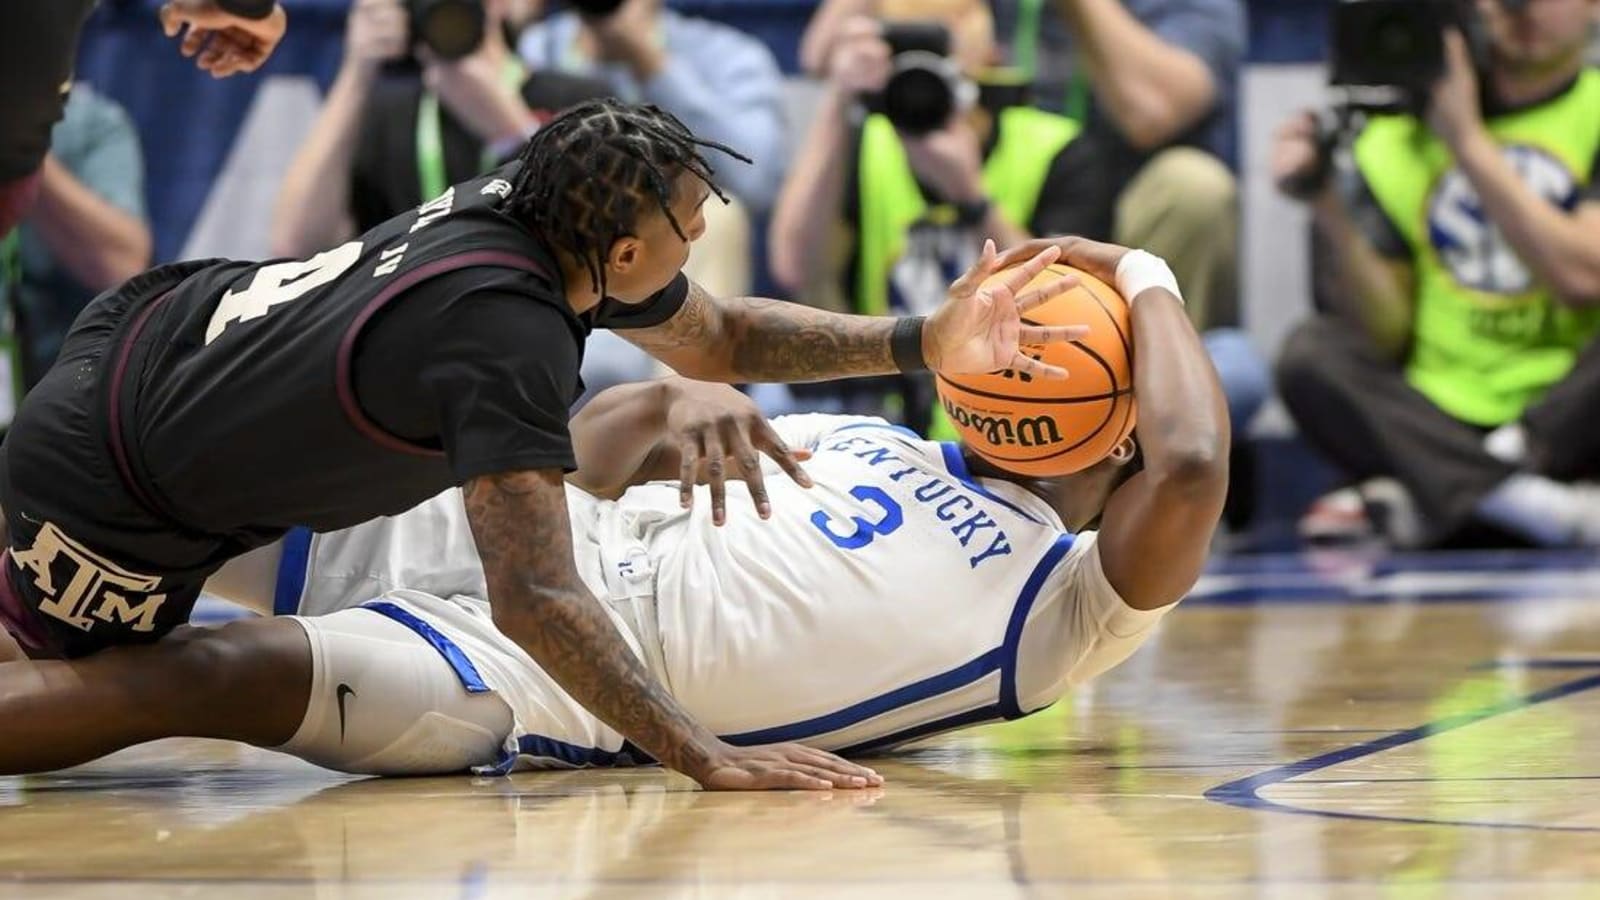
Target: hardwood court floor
x=1426, y=729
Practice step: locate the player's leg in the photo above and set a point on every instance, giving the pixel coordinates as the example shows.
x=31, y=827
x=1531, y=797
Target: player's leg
x=354, y=691
x=384, y=701
x=1562, y=441
x=1358, y=410
x=246, y=681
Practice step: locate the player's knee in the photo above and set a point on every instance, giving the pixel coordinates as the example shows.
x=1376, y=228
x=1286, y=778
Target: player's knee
x=384, y=702
x=246, y=681
x=1303, y=363
x=1183, y=189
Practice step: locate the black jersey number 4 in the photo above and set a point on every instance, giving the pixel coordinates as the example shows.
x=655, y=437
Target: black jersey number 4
x=281, y=283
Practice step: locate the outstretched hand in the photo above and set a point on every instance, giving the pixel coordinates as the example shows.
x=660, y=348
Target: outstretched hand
x=783, y=767
x=979, y=328
x=225, y=43
x=712, y=424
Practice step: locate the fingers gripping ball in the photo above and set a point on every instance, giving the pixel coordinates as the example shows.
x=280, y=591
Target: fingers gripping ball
x=1046, y=428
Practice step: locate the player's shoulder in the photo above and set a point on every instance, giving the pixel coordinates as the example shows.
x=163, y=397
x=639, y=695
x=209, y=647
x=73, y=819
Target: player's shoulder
x=812, y=429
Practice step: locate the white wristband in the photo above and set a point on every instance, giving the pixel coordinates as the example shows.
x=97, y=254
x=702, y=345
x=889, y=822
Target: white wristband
x=1139, y=271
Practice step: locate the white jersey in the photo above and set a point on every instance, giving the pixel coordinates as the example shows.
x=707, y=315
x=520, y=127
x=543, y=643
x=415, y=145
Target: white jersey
x=897, y=598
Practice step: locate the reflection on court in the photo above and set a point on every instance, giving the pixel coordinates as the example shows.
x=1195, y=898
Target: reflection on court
x=1422, y=746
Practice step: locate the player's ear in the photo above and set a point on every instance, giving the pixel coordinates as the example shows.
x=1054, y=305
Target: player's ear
x=1123, y=452
x=624, y=254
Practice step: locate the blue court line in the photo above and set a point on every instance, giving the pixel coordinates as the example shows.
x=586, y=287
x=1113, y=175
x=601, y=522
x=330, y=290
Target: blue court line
x=1436, y=780
x=1579, y=663
x=1244, y=793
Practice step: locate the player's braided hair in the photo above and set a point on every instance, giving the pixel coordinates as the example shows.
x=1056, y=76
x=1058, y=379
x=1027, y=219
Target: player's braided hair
x=590, y=173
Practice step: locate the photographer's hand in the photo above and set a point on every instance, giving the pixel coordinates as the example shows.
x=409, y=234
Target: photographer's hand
x=474, y=88
x=949, y=160
x=1454, y=110
x=1299, y=164
x=631, y=36
x=859, y=63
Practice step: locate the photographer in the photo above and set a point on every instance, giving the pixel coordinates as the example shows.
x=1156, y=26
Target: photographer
x=1461, y=358
x=887, y=215
x=402, y=121
x=724, y=84
x=1153, y=84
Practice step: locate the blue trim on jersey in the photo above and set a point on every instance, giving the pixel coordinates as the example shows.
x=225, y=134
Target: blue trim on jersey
x=882, y=426
x=454, y=655
x=989, y=713
x=930, y=687
x=1010, y=705
x=957, y=467
x=538, y=745
x=292, y=572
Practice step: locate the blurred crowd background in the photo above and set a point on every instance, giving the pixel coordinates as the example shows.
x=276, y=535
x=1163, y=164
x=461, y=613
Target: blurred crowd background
x=1405, y=332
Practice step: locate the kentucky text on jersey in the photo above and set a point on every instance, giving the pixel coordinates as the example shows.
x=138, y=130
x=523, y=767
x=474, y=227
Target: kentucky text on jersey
x=951, y=502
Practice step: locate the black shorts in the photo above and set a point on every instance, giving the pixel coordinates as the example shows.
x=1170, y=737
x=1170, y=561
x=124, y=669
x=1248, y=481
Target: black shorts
x=91, y=563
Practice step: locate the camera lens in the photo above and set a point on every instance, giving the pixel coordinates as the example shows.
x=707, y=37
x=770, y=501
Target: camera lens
x=450, y=28
x=918, y=100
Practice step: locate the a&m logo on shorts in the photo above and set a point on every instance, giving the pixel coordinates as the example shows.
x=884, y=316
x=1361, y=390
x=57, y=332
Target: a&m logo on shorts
x=84, y=588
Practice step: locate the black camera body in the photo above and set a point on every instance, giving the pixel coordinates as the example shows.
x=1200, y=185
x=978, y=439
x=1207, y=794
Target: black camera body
x=1388, y=53
x=595, y=9
x=450, y=28
x=926, y=86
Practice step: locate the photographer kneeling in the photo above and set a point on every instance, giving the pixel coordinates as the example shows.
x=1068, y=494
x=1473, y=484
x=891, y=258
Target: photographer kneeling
x=1461, y=361
x=429, y=94
x=881, y=210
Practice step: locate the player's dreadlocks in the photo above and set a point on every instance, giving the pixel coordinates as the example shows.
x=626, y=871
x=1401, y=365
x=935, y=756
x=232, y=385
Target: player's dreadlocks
x=588, y=175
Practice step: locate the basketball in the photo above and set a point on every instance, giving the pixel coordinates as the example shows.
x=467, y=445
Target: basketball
x=1047, y=428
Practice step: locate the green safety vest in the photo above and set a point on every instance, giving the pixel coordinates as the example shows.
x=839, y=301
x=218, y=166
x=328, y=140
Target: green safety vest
x=891, y=203
x=1487, y=338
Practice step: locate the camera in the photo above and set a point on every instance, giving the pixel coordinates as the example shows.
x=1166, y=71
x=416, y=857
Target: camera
x=450, y=28
x=595, y=9
x=926, y=86
x=1388, y=53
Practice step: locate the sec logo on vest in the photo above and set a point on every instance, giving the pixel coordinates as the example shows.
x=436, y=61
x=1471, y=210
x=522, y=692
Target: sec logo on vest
x=1470, y=246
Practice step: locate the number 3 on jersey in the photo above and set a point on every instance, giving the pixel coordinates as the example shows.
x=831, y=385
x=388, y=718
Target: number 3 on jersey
x=280, y=283
x=893, y=517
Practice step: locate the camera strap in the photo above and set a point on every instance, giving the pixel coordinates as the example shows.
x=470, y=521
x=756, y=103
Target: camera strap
x=1025, y=56
x=431, y=174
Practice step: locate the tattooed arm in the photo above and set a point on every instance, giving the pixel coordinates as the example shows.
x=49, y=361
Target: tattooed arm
x=755, y=339
x=519, y=521
x=978, y=329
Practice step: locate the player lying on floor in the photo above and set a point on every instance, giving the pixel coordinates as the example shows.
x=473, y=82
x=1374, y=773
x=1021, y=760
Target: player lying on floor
x=911, y=590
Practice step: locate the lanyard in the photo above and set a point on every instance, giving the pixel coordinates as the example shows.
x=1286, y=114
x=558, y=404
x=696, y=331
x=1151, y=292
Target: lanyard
x=11, y=376
x=1025, y=56
x=431, y=173
x=11, y=259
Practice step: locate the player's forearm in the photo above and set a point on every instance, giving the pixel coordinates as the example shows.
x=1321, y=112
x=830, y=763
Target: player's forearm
x=805, y=220
x=523, y=536
x=617, y=436
x=1183, y=414
x=1374, y=291
x=312, y=210
x=773, y=340
x=98, y=243
x=1151, y=89
x=1560, y=248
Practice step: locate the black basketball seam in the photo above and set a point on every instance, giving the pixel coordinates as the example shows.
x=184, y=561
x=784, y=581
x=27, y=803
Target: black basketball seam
x=1127, y=342
x=1012, y=397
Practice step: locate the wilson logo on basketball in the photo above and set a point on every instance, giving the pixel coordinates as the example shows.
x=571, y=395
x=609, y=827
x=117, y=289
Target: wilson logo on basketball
x=1003, y=430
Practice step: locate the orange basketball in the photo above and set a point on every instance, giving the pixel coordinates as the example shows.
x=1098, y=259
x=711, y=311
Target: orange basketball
x=1047, y=428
